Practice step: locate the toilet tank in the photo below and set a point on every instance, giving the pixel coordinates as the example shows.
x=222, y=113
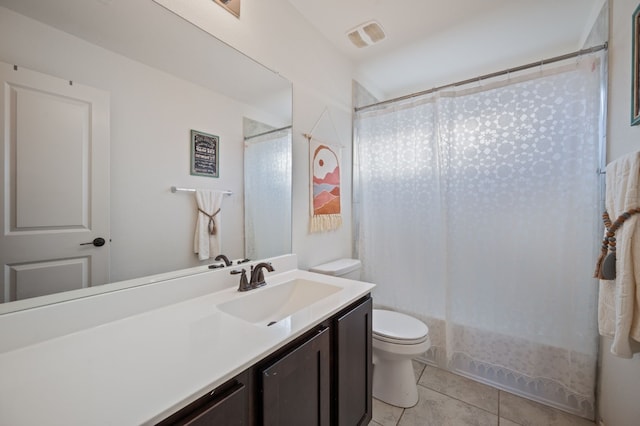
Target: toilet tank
x=343, y=268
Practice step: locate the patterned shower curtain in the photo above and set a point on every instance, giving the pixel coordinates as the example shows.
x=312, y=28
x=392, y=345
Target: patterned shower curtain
x=267, y=202
x=479, y=214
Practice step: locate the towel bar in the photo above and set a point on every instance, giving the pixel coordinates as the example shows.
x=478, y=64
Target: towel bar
x=176, y=189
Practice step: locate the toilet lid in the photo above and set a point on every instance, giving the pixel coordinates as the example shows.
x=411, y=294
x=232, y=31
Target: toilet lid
x=397, y=326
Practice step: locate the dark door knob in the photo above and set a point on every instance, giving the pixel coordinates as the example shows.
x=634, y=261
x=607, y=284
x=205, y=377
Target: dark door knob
x=98, y=242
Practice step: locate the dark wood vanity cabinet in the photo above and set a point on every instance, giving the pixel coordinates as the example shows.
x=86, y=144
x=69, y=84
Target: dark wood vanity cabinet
x=354, y=369
x=322, y=378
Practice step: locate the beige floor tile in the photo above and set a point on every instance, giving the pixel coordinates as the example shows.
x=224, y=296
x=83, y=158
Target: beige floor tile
x=418, y=368
x=469, y=391
x=385, y=414
x=530, y=413
x=372, y=423
x=436, y=409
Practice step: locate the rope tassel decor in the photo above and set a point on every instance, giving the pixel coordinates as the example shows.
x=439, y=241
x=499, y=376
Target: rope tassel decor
x=212, y=222
x=606, y=265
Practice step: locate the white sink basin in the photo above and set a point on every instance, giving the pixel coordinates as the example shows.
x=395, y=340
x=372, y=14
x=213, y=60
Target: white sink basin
x=268, y=305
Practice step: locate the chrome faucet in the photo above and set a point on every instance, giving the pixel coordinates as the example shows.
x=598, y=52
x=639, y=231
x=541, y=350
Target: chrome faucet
x=257, y=276
x=224, y=258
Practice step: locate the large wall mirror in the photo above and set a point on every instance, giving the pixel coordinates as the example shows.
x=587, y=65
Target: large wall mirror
x=162, y=77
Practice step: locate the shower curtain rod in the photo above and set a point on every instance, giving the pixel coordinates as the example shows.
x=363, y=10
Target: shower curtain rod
x=267, y=132
x=487, y=76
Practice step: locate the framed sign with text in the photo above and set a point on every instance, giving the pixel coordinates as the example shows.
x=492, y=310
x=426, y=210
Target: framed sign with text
x=205, y=150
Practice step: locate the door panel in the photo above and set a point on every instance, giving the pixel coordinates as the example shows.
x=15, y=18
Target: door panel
x=38, y=279
x=55, y=193
x=64, y=124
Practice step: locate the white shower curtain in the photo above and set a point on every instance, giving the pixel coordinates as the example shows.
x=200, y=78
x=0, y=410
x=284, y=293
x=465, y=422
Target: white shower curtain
x=479, y=213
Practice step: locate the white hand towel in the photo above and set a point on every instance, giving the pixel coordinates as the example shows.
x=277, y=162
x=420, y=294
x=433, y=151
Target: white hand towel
x=206, y=242
x=619, y=299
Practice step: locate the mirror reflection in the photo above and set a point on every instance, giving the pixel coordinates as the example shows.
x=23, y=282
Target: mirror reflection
x=161, y=78
x=267, y=203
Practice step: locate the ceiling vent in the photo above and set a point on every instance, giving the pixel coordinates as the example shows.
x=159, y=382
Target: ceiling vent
x=366, y=34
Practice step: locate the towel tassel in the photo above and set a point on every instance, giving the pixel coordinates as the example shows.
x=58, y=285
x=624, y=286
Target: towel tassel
x=606, y=265
x=212, y=223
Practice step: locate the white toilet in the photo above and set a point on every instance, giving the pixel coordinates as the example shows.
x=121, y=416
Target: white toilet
x=397, y=338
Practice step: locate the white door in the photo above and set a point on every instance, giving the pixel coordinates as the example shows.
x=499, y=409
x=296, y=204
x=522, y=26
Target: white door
x=54, y=165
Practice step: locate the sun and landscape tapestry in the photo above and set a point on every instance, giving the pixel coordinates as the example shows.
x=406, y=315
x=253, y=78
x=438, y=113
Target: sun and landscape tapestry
x=325, y=198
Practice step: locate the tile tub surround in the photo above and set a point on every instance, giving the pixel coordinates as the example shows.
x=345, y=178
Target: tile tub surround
x=447, y=399
x=167, y=357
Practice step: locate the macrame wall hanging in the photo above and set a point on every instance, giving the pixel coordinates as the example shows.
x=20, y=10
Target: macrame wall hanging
x=324, y=180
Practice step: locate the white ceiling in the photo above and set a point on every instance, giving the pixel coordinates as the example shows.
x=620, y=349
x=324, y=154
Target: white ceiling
x=428, y=43
x=435, y=42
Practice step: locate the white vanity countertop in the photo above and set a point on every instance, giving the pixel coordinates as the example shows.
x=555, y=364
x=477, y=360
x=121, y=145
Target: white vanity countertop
x=140, y=369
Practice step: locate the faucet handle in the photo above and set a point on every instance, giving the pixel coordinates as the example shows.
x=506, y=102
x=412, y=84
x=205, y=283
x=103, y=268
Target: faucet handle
x=244, y=283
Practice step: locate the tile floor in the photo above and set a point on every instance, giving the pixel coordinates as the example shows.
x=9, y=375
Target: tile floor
x=447, y=399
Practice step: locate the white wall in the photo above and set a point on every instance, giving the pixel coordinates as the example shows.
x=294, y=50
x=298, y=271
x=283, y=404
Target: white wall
x=619, y=385
x=152, y=114
x=275, y=34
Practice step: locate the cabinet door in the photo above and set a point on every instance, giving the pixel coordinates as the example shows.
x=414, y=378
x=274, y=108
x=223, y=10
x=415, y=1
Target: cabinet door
x=296, y=387
x=354, y=366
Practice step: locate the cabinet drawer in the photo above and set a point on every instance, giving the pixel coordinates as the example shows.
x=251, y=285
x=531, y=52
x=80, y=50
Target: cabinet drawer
x=226, y=406
x=228, y=410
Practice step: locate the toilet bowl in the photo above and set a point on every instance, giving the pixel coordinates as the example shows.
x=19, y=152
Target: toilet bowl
x=397, y=338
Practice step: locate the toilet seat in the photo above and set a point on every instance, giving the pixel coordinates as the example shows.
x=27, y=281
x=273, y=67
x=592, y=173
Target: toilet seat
x=399, y=341
x=397, y=328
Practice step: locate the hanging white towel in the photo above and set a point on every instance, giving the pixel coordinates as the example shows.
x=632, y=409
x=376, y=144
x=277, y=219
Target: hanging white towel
x=206, y=242
x=619, y=299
